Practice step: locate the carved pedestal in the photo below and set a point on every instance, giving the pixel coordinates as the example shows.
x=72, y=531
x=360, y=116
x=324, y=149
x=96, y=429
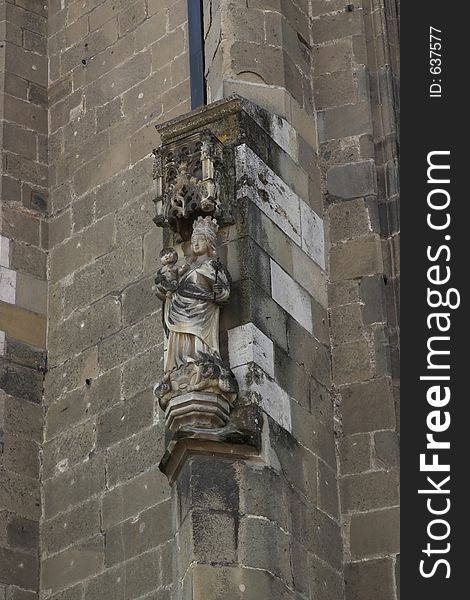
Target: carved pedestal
x=197, y=410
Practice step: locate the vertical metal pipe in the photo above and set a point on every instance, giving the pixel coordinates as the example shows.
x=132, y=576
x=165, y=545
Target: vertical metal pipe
x=196, y=53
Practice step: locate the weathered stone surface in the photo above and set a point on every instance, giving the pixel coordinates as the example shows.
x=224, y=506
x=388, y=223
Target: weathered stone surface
x=356, y=258
x=134, y=496
x=354, y=453
x=369, y=580
x=70, y=527
x=366, y=491
x=352, y=180
x=375, y=533
x=140, y=534
x=18, y=568
x=367, y=407
x=264, y=545
x=74, y=564
x=134, y=455
x=293, y=299
x=74, y=487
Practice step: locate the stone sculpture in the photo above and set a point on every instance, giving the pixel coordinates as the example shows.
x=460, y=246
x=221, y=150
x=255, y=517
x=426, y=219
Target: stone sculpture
x=197, y=390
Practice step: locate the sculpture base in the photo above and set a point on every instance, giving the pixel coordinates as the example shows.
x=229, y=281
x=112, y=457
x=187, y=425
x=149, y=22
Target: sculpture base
x=239, y=438
x=197, y=410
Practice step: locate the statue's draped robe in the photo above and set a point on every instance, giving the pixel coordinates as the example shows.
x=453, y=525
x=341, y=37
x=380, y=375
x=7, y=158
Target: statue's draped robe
x=192, y=314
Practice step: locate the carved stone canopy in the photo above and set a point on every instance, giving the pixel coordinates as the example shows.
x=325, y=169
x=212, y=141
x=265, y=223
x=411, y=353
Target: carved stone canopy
x=188, y=182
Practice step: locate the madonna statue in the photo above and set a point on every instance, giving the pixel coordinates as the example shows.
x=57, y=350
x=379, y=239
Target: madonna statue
x=192, y=296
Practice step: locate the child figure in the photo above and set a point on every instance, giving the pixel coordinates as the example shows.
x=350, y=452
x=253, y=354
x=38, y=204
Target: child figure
x=167, y=275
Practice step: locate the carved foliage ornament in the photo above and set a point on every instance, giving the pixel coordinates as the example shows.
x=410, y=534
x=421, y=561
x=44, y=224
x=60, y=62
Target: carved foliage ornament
x=188, y=175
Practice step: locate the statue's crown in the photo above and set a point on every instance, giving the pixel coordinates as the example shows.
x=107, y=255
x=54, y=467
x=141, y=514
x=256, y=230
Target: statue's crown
x=206, y=226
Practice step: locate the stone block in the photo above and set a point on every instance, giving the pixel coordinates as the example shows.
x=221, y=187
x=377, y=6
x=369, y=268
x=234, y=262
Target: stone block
x=386, y=449
x=236, y=583
x=214, y=536
x=25, y=354
x=21, y=456
x=29, y=259
x=24, y=326
x=354, y=453
x=375, y=533
x=370, y=580
x=316, y=360
x=19, y=381
x=367, y=491
x=313, y=239
x=31, y=293
x=20, y=494
x=132, y=17
x=256, y=497
x=255, y=385
x=344, y=121
x=372, y=294
x=139, y=300
x=130, y=341
x=334, y=89
x=142, y=575
x=327, y=490
x=346, y=324
x=19, y=569
x=154, y=29
x=317, y=532
x=142, y=372
x=352, y=362
x=367, y=406
x=122, y=421
x=293, y=299
x=332, y=57
x=101, y=168
x=20, y=141
x=69, y=528
x=349, y=220
x=325, y=582
x=82, y=249
x=318, y=437
x=356, y=258
x=108, y=274
x=256, y=181
x=353, y=180
x=7, y=285
x=336, y=26
x=74, y=487
x=248, y=344
x=85, y=328
x=292, y=378
x=263, y=545
x=131, y=498
x=138, y=535
x=109, y=585
x=72, y=565
x=69, y=448
x=70, y=375
x=20, y=226
x=134, y=220
x=21, y=418
x=23, y=534
x=135, y=455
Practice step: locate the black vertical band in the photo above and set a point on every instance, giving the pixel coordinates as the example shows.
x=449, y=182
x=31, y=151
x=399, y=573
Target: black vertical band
x=196, y=53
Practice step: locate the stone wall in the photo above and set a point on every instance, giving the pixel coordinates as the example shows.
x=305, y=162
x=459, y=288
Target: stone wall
x=23, y=289
x=116, y=69
x=356, y=112
x=311, y=331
